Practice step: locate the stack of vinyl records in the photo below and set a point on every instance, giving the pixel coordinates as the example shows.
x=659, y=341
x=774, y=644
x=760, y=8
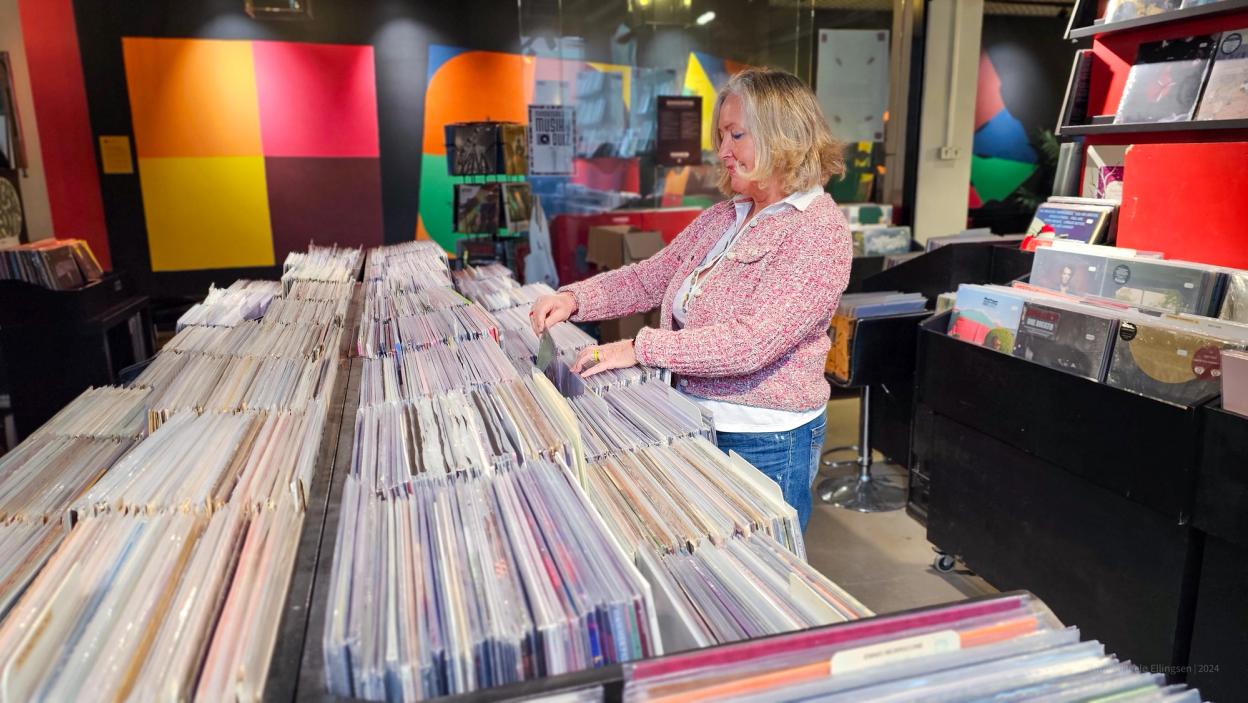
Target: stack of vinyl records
x=521, y=344
x=227, y=307
x=1137, y=323
x=327, y=264
x=436, y=370
x=496, y=294
x=479, y=583
x=58, y=264
x=171, y=580
x=1009, y=647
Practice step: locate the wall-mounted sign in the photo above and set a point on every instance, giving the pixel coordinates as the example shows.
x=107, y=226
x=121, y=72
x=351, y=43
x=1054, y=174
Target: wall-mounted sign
x=115, y=155
x=679, y=141
x=552, y=132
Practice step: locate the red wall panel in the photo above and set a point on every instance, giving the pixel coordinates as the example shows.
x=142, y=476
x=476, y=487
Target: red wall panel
x=66, y=140
x=1188, y=201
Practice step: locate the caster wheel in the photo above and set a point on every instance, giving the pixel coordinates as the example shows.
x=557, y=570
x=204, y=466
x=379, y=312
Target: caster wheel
x=944, y=563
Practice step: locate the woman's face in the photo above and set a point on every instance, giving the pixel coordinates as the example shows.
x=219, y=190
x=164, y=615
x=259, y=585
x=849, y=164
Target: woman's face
x=736, y=146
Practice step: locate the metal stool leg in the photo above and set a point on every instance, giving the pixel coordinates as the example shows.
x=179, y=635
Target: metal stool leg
x=863, y=492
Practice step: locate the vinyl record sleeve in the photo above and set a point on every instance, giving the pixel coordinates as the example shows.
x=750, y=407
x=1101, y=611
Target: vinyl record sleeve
x=1165, y=82
x=476, y=149
x=1166, y=363
x=986, y=316
x=1160, y=286
x=1062, y=338
x=477, y=208
x=1120, y=10
x=1226, y=92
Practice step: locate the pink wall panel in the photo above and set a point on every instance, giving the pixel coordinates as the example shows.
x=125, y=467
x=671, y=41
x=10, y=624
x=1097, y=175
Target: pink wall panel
x=317, y=100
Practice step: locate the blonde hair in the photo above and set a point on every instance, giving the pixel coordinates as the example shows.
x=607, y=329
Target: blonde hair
x=792, y=140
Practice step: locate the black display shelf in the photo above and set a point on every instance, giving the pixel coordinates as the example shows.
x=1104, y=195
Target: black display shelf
x=862, y=268
x=1142, y=449
x=1222, y=478
x=1172, y=17
x=56, y=344
x=942, y=270
x=1073, y=130
x=1124, y=574
x=1220, y=632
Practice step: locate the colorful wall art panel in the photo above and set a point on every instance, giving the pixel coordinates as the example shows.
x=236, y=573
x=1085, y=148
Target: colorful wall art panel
x=251, y=149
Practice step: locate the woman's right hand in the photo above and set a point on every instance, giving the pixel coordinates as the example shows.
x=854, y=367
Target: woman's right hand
x=550, y=310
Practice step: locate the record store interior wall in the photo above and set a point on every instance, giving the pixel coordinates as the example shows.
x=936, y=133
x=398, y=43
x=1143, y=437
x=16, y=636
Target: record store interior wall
x=268, y=129
x=1023, y=69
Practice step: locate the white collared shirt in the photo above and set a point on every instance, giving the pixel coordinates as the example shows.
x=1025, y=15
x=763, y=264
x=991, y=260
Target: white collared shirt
x=735, y=417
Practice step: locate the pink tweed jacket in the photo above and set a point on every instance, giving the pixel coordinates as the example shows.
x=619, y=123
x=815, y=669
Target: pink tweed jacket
x=758, y=332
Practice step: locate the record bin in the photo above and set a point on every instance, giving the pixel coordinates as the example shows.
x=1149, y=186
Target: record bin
x=1139, y=448
x=1220, y=633
x=942, y=270
x=1076, y=491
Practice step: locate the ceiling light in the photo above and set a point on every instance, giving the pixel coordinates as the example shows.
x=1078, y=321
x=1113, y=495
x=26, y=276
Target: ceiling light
x=705, y=18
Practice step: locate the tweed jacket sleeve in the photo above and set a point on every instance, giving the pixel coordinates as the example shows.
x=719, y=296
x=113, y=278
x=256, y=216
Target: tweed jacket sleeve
x=803, y=283
x=635, y=288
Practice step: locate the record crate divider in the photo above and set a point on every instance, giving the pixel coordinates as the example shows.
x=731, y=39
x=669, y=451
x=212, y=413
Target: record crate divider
x=1219, y=635
x=1077, y=491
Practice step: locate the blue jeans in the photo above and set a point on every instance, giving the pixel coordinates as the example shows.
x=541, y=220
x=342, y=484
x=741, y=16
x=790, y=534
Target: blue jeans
x=791, y=459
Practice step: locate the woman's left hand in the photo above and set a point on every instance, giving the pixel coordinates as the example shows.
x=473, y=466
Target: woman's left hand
x=616, y=355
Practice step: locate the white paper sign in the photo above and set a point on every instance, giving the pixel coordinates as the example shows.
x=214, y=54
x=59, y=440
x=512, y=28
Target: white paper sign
x=552, y=140
x=906, y=648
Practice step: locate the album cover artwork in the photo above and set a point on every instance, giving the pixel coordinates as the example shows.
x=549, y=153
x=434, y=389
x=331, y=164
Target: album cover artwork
x=1164, y=84
x=1080, y=223
x=986, y=316
x=879, y=241
x=1158, y=286
x=476, y=149
x=1068, y=272
x=1226, y=91
x=1120, y=10
x=476, y=208
x=518, y=205
x=514, y=140
x=1165, y=363
x=1074, y=341
x=1235, y=302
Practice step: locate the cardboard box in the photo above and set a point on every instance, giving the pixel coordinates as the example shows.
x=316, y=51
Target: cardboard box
x=612, y=246
x=626, y=327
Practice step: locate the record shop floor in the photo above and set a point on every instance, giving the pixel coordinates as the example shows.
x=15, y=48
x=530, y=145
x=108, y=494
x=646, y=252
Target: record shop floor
x=882, y=559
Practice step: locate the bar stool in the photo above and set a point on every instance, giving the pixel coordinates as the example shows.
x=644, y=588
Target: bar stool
x=874, y=360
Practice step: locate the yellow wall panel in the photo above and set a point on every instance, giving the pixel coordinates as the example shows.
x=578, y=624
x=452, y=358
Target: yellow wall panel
x=192, y=97
x=206, y=213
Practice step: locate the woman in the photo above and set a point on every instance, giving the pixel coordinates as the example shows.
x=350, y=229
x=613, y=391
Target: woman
x=747, y=290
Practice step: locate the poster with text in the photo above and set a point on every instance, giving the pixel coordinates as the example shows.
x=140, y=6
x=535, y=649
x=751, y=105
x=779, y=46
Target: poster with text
x=680, y=131
x=551, y=140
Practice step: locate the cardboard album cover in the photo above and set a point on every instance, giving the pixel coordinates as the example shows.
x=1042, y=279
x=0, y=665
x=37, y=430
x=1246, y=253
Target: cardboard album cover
x=514, y=144
x=1121, y=10
x=1158, y=285
x=517, y=205
x=987, y=316
x=1226, y=91
x=1077, y=341
x=1164, y=84
x=1166, y=363
x=1068, y=272
x=1235, y=302
x=476, y=208
x=475, y=149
